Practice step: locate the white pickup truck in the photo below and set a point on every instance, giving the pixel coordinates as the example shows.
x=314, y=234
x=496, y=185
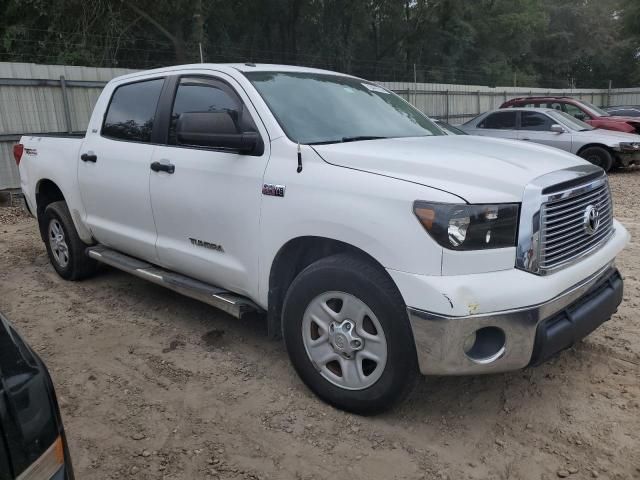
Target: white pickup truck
x=377, y=246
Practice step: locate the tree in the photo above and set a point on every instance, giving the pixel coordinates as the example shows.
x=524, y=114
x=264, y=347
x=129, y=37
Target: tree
x=552, y=43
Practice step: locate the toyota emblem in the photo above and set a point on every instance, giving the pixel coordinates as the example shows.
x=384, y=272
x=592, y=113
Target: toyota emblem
x=591, y=220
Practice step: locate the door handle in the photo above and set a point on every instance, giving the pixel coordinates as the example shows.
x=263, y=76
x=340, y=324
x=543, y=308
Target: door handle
x=526, y=139
x=163, y=167
x=89, y=157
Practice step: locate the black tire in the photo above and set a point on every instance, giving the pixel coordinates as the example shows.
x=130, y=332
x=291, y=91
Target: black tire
x=371, y=285
x=78, y=264
x=599, y=156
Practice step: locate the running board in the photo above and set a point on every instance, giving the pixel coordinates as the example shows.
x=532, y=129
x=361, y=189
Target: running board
x=229, y=302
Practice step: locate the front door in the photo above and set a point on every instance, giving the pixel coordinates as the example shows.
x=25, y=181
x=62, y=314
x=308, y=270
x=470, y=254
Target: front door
x=207, y=206
x=536, y=127
x=113, y=171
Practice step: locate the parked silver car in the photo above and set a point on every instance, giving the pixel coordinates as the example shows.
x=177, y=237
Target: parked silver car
x=605, y=148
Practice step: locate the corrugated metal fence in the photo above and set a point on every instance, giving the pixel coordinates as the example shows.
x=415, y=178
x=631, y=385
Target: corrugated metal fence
x=459, y=103
x=58, y=99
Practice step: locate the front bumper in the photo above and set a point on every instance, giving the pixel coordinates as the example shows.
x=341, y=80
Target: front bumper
x=512, y=339
x=628, y=158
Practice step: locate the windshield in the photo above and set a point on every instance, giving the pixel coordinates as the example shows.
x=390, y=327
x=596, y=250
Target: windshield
x=315, y=108
x=600, y=112
x=570, y=121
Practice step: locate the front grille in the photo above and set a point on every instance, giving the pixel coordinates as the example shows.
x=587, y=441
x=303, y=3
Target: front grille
x=564, y=232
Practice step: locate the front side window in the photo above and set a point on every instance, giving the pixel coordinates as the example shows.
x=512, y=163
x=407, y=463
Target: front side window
x=199, y=94
x=554, y=105
x=593, y=110
x=571, y=122
x=315, y=108
x=534, y=121
x=576, y=112
x=500, y=121
x=132, y=110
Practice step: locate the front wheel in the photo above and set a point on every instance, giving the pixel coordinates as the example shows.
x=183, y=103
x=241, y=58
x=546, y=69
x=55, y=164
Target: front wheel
x=348, y=335
x=598, y=156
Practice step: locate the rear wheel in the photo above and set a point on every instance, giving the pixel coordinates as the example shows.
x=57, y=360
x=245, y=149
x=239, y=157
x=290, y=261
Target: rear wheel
x=598, y=156
x=348, y=335
x=65, y=248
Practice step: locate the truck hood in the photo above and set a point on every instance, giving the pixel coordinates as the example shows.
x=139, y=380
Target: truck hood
x=477, y=169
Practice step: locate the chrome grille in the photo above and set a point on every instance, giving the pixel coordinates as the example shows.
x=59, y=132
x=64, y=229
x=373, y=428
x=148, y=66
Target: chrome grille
x=564, y=226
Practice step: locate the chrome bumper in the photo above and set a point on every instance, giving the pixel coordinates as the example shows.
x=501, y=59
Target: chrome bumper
x=507, y=342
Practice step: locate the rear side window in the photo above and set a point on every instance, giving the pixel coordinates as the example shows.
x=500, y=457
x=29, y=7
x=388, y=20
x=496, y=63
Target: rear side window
x=132, y=110
x=554, y=105
x=500, y=121
x=535, y=121
x=199, y=94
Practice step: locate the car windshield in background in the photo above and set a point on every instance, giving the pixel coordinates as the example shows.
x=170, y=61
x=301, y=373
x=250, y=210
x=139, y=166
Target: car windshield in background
x=592, y=107
x=570, y=121
x=450, y=128
x=314, y=108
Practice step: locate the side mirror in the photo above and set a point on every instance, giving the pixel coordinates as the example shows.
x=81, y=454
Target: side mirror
x=557, y=128
x=216, y=130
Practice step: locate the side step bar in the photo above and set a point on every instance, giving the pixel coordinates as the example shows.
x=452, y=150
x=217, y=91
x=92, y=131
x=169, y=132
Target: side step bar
x=229, y=302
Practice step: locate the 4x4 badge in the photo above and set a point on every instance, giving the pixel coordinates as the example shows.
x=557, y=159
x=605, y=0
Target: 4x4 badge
x=273, y=190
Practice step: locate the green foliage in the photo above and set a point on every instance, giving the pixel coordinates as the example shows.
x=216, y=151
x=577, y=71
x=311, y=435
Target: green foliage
x=550, y=43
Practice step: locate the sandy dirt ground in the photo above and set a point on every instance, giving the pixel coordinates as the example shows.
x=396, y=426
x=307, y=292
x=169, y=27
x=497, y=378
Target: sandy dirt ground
x=153, y=385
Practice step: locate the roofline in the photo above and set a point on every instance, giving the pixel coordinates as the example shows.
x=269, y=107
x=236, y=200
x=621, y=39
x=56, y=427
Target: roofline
x=524, y=109
x=229, y=68
x=542, y=97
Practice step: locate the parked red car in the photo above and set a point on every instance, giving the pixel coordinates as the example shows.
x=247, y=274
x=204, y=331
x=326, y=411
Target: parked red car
x=582, y=110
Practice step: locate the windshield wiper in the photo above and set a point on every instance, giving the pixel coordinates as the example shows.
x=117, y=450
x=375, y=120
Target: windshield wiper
x=348, y=139
x=361, y=137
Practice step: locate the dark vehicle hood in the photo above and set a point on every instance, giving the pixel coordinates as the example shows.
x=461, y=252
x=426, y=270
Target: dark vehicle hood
x=29, y=416
x=614, y=118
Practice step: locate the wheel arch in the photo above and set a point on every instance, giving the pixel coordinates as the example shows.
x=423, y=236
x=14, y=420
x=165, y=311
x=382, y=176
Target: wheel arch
x=293, y=257
x=590, y=145
x=47, y=192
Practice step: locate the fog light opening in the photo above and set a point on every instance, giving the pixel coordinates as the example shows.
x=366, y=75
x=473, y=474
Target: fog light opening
x=485, y=345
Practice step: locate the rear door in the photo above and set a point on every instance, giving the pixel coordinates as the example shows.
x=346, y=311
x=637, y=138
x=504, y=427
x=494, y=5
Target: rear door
x=207, y=208
x=536, y=127
x=500, y=124
x=113, y=172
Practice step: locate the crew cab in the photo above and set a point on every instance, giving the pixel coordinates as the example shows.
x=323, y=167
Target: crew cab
x=580, y=109
x=377, y=246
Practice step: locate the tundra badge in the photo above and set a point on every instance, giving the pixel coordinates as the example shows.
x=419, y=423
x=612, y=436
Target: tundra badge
x=210, y=246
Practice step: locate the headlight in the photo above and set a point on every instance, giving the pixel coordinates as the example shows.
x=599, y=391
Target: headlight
x=630, y=147
x=48, y=466
x=469, y=227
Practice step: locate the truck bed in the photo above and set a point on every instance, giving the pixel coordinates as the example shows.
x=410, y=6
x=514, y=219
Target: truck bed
x=51, y=157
